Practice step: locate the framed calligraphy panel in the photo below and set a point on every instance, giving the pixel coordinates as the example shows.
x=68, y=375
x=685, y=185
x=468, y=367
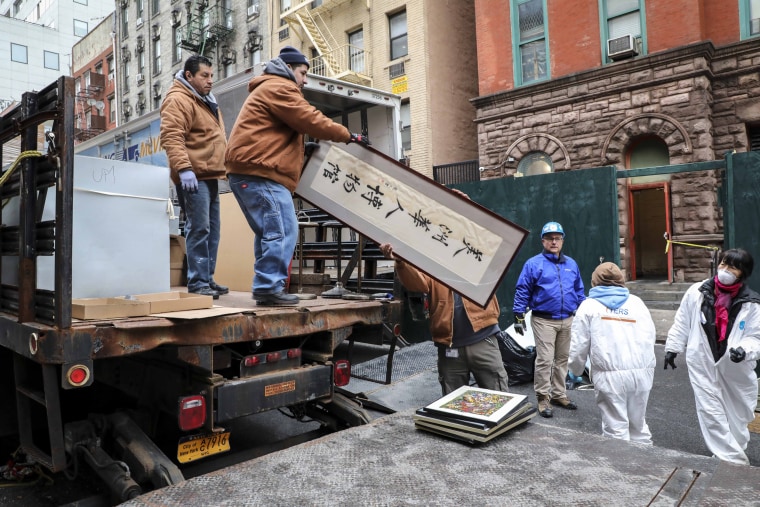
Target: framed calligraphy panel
x=456, y=241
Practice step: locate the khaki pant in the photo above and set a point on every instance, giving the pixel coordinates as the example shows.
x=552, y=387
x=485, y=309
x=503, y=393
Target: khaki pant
x=483, y=359
x=552, y=350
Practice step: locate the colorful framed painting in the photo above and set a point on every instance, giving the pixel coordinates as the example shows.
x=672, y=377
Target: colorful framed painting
x=456, y=241
x=477, y=404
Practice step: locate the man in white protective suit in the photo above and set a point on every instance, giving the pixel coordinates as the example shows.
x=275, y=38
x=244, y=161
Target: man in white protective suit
x=719, y=315
x=615, y=328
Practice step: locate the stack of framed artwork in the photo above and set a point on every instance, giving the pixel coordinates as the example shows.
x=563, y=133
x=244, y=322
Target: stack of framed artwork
x=474, y=415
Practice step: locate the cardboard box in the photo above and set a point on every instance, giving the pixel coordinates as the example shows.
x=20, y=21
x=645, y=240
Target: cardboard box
x=177, y=249
x=108, y=308
x=234, y=260
x=164, y=302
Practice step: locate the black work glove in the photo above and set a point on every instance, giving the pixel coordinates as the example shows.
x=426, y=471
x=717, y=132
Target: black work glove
x=520, y=324
x=309, y=148
x=737, y=354
x=359, y=138
x=670, y=359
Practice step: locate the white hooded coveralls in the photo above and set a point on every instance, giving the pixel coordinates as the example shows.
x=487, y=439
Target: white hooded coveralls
x=725, y=392
x=620, y=343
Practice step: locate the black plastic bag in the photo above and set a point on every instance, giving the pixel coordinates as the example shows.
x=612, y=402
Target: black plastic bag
x=519, y=362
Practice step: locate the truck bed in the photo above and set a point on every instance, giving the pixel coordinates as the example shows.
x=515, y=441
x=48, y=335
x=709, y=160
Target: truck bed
x=235, y=317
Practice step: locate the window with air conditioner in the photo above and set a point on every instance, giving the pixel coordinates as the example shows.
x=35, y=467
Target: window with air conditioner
x=253, y=10
x=623, y=28
x=140, y=78
x=529, y=41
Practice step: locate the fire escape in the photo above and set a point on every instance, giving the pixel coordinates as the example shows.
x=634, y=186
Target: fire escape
x=336, y=60
x=89, y=108
x=207, y=24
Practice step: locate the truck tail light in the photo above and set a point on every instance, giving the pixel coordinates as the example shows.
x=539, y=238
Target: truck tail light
x=273, y=357
x=294, y=353
x=342, y=375
x=250, y=361
x=192, y=412
x=78, y=375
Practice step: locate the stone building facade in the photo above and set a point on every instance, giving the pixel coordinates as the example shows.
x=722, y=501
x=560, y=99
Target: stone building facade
x=697, y=100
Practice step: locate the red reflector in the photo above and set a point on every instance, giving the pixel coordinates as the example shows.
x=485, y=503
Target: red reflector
x=273, y=357
x=78, y=375
x=192, y=412
x=342, y=373
x=251, y=361
x=293, y=353
x=397, y=330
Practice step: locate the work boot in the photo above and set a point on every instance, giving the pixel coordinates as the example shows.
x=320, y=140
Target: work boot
x=205, y=291
x=544, y=410
x=281, y=298
x=564, y=402
x=221, y=289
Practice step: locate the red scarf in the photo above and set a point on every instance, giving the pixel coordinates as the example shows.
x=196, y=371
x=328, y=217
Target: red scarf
x=724, y=294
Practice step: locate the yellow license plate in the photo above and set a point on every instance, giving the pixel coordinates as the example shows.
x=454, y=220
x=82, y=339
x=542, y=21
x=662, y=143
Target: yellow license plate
x=196, y=447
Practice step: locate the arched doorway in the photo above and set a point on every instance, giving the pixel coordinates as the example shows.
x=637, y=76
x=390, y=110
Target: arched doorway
x=649, y=209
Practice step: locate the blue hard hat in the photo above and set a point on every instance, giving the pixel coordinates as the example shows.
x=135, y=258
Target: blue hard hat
x=552, y=227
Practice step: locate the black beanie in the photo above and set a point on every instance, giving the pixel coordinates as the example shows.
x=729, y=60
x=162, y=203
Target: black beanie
x=291, y=55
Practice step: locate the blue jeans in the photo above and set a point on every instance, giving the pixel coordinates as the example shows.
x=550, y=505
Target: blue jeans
x=201, y=232
x=268, y=208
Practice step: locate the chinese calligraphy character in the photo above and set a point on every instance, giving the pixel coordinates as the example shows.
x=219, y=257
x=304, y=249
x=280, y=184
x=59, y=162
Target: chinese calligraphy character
x=350, y=183
x=421, y=221
x=372, y=197
x=471, y=250
x=332, y=175
x=443, y=234
x=395, y=210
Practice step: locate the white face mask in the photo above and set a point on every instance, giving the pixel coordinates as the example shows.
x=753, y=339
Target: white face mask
x=726, y=277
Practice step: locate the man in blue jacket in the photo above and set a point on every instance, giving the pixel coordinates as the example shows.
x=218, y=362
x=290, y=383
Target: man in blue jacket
x=550, y=286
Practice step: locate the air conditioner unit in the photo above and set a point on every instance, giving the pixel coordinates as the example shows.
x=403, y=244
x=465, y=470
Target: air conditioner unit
x=754, y=26
x=622, y=47
x=139, y=22
x=140, y=78
x=110, y=76
x=253, y=10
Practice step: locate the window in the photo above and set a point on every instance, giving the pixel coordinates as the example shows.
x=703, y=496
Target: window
x=125, y=78
x=156, y=56
x=78, y=86
x=356, y=51
x=284, y=5
x=112, y=109
x=155, y=6
x=51, y=60
x=176, y=48
x=621, y=18
x=530, y=41
x=99, y=67
x=141, y=62
x=140, y=6
x=18, y=53
x=749, y=14
x=535, y=162
x=398, y=35
x=406, y=127
x=124, y=22
x=753, y=135
x=80, y=28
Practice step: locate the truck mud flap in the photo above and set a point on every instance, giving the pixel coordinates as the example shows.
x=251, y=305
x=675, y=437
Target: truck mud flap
x=241, y=397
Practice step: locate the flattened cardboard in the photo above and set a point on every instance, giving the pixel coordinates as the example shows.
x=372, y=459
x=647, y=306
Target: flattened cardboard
x=108, y=308
x=164, y=302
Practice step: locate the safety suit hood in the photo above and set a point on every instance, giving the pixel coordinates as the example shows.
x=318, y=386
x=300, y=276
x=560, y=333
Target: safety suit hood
x=610, y=296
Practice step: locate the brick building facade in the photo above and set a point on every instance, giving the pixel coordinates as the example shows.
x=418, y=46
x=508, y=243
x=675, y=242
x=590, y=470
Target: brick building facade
x=690, y=94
